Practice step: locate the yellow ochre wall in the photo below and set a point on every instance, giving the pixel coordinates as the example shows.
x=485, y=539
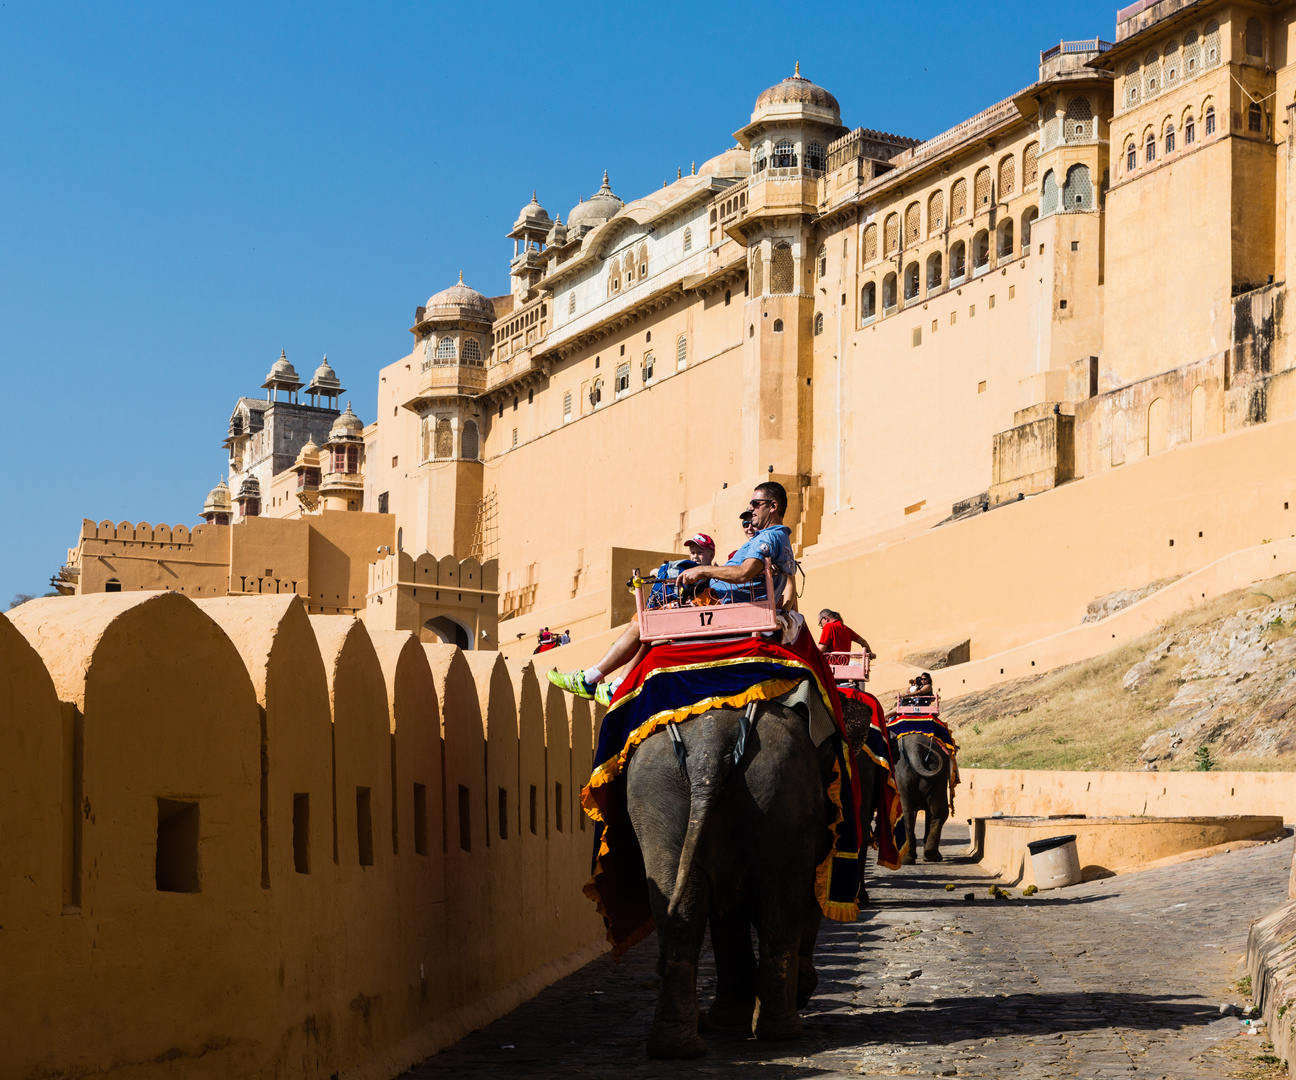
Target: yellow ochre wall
x=242, y=706
x=978, y=579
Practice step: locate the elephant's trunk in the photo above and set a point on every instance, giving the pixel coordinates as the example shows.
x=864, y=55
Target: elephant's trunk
x=925, y=757
x=709, y=765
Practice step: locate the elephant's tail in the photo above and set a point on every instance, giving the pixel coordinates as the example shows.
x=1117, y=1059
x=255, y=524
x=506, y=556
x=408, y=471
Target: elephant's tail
x=709, y=766
x=925, y=757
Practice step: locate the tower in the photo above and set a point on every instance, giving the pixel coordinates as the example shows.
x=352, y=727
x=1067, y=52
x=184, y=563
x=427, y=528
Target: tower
x=218, y=508
x=791, y=126
x=342, y=485
x=325, y=384
x=529, y=234
x=454, y=333
x=282, y=377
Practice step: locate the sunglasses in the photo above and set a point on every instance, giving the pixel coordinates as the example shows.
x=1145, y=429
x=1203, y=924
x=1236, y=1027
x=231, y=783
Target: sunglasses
x=756, y=504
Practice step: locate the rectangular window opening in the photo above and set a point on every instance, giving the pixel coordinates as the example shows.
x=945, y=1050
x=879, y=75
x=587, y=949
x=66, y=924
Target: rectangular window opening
x=465, y=822
x=177, y=846
x=558, y=806
x=992, y=301
x=420, y=819
x=533, y=809
x=301, y=833
x=981, y=387
x=917, y=335
x=364, y=826
x=1012, y=291
x=503, y=813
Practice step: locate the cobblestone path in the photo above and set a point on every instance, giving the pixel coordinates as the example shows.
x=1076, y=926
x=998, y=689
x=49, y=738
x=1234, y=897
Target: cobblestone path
x=1120, y=977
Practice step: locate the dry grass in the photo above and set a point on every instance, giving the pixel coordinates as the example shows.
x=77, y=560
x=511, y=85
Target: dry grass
x=1082, y=717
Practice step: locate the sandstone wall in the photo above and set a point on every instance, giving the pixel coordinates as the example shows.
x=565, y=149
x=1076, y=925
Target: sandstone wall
x=241, y=840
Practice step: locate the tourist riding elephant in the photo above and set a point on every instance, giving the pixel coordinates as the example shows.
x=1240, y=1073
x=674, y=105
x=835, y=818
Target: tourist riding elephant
x=737, y=844
x=922, y=774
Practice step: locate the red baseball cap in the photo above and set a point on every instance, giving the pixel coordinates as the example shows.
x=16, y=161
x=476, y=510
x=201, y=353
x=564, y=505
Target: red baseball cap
x=701, y=540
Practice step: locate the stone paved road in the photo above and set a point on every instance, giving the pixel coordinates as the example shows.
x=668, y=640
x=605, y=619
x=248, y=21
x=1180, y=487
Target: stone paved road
x=1121, y=977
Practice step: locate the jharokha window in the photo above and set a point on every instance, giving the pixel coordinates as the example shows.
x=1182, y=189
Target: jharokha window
x=346, y=459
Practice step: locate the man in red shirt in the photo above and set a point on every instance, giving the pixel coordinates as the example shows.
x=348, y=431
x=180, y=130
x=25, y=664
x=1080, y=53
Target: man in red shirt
x=836, y=636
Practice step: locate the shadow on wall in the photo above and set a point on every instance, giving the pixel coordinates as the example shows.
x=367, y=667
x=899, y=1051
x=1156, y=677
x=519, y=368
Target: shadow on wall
x=293, y=847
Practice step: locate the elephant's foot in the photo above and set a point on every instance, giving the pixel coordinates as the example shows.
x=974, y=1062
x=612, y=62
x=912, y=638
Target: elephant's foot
x=910, y=859
x=733, y=1013
x=775, y=1027
x=675, y=1040
x=932, y=855
x=807, y=980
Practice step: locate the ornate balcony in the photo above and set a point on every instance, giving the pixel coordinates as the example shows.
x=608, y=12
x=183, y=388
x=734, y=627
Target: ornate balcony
x=448, y=380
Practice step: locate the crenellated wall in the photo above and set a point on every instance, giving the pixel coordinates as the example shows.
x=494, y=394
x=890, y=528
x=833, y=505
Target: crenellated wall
x=295, y=846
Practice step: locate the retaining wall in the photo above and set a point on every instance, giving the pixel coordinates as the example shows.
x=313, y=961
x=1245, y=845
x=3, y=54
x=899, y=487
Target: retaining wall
x=240, y=840
x=1026, y=792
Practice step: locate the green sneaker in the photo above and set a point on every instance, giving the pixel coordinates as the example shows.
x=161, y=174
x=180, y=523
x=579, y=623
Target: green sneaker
x=603, y=693
x=572, y=681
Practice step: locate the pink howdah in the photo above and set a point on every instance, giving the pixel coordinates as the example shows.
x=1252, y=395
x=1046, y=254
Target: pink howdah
x=918, y=705
x=849, y=667
x=683, y=620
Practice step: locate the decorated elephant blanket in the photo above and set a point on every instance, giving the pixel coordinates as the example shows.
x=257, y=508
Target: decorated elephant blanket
x=900, y=726
x=677, y=680
x=890, y=838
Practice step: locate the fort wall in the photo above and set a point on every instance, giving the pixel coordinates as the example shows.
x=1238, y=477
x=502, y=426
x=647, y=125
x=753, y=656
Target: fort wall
x=1011, y=792
x=278, y=831
x=1160, y=517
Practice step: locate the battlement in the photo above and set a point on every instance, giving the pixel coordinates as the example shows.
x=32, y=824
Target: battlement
x=144, y=533
x=447, y=572
x=307, y=812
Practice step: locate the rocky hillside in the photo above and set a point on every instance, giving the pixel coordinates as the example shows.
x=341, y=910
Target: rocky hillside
x=1220, y=677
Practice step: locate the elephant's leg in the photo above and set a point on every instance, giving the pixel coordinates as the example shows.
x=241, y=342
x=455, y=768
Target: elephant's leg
x=735, y=1000
x=780, y=964
x=937, y=814
x=910, y=813
x=674, y=1031
x=807, y=976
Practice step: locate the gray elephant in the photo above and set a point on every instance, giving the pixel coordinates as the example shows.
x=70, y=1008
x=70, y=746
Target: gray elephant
x=922, y=774
x=736, y=844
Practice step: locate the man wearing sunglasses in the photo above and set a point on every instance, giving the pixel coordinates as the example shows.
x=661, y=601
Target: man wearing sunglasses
x=772, y=540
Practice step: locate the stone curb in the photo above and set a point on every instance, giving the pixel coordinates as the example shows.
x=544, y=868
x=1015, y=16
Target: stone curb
x=1271, y=963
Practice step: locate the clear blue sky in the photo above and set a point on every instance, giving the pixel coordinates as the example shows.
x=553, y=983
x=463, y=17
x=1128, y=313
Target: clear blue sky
x=185, y=189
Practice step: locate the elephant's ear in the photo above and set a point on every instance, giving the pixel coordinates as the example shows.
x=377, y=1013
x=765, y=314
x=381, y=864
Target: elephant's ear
x=858, y=718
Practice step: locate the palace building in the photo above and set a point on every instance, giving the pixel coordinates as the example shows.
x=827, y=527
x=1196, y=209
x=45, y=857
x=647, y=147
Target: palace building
x=906, y=333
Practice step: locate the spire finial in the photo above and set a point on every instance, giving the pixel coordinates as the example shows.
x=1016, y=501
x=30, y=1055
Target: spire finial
x=533, y=196
x=693, y=169
x=605, y=178
x=460, y=282
x=283, y=355
x=679, y=173
x=797, y=73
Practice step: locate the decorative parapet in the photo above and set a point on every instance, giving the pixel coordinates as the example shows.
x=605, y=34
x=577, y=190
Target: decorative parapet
x=213, y=742
x=448, y=380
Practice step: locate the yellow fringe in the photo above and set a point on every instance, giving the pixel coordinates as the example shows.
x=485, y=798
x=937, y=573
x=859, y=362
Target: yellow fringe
x=834, y=909
x=611, y=769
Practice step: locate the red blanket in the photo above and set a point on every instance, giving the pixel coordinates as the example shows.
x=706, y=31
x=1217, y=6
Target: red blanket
x=673, y=682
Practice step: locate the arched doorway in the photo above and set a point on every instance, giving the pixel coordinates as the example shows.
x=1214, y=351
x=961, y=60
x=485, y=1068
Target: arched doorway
x=450, y=631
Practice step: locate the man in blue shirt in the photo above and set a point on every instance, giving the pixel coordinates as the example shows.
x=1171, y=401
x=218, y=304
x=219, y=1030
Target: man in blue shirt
x=746, y=565
x=773, y=541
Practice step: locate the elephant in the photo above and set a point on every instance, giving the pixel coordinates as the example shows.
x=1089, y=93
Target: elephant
x=735, y=844
x=922, y=774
